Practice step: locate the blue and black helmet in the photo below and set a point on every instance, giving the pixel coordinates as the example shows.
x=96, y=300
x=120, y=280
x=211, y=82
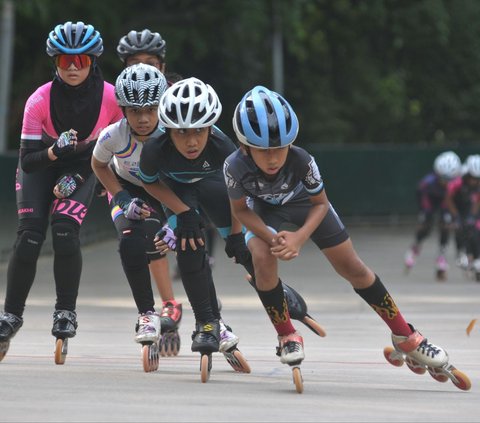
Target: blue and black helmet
x=264, y=119
x=74, y=38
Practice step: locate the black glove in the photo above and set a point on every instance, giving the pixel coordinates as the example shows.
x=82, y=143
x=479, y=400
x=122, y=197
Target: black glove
x=189, y=225
x=66, y=143
x=235, y=247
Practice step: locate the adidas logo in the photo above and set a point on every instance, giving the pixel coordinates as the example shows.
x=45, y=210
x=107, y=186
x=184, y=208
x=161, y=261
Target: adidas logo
x=205, y=164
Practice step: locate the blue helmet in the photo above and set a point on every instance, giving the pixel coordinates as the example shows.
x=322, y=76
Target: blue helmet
x=264, y=119
x=74, y=38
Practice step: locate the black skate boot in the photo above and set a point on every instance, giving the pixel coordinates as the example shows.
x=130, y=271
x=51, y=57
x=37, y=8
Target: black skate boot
x=206, y=340
x=9, y=326
x=170, y=318
x=64, y=327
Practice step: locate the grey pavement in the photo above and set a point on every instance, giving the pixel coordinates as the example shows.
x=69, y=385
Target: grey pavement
x=346, y=378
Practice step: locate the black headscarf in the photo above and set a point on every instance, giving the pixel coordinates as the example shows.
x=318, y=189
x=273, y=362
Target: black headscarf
x=77, y=107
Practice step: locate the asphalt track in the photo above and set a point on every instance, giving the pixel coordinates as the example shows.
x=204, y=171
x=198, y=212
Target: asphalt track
x=346, y=378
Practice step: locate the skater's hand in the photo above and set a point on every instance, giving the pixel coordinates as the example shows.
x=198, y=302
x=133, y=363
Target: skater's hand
x=66, y=143
x=286, y=245
x=165, y=240
x=190, y=227
x=67, y=185
x=235, y=247
x=133, y=208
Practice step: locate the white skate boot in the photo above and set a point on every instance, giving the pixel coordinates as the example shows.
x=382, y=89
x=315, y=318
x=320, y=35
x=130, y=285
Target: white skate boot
x=421, y=355
x=148, y=328
x=148, y=334
x=476, y=269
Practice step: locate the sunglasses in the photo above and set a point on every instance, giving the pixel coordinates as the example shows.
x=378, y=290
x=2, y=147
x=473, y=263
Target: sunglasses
x=80, y=61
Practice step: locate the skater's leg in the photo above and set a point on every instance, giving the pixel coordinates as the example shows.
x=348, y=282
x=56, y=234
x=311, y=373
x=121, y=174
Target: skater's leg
x=160, y=272
x=135, y=265
x=368, y=285
x=67, y=262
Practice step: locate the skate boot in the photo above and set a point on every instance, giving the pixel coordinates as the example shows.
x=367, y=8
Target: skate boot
x=421, y=356
x=228, y=346
x=148, y=334
x=441, y=267
x=290, y=350
x=462, y=262
x=206, y=340
x=297, y=307
x=9, y=326
x=170, y=317
x=410, y=258
x=64, y=327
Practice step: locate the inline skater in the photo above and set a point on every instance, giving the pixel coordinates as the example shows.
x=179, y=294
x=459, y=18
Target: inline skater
x=150, y=48
x=283, y=184
x=463, y=202
x=431, y=193
x=61, y=122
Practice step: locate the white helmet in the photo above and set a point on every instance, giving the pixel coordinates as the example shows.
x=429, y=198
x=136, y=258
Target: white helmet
x=447, y=165
x=189, y=103
x=472, y=165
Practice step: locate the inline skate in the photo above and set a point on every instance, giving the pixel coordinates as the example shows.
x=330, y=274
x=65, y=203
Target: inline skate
x=297, y=308
x=148, y=335
x=441, y=267
x=290, y=350
x=170, y=318
x=228, y=347
x=64, y=327
x=421, y=356
x=206, y=340
x=9, y=326
x=410, y=258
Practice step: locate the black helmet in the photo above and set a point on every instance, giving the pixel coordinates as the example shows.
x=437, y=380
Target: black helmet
x=141, y=42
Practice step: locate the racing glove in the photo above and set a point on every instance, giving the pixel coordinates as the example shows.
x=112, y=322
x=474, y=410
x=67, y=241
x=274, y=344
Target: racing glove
x=66, y=143
x=235, y=247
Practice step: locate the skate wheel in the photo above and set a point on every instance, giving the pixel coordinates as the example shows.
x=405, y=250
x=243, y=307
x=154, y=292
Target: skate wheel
x=438, y=375
x=297, y=379
x=314, y=326
x=4, y=349
x=393, y=356
x=61, y=350
x=150, y=358
x=163, y=346
x=415, y=366
x=205, y=366
x=238, y=362
x=176, y=345
x=461, y=380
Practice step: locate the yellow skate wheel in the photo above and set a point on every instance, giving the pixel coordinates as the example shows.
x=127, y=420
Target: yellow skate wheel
x=242, y=365
x=61, y=351
x=205, y=365
x=297, y=379
x=461, y=380
x=393, y=357
x=315, y=326
x=150, y=357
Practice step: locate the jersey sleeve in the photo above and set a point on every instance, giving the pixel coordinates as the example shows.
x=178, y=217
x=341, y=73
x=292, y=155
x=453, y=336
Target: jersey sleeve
x=103, y=150
x=312, y=180
x=232, y=178
x=148, y=168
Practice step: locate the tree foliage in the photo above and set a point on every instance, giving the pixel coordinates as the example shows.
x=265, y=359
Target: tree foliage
x=356, y=71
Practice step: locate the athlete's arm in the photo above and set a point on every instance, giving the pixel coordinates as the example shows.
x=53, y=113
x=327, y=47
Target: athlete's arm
x=250, y=219
x=166, y=196
x=106, y=176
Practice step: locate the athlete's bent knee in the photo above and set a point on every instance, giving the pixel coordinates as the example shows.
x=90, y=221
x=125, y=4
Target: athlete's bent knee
x=28, y=246
x=65, y=238
x=132, y=248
